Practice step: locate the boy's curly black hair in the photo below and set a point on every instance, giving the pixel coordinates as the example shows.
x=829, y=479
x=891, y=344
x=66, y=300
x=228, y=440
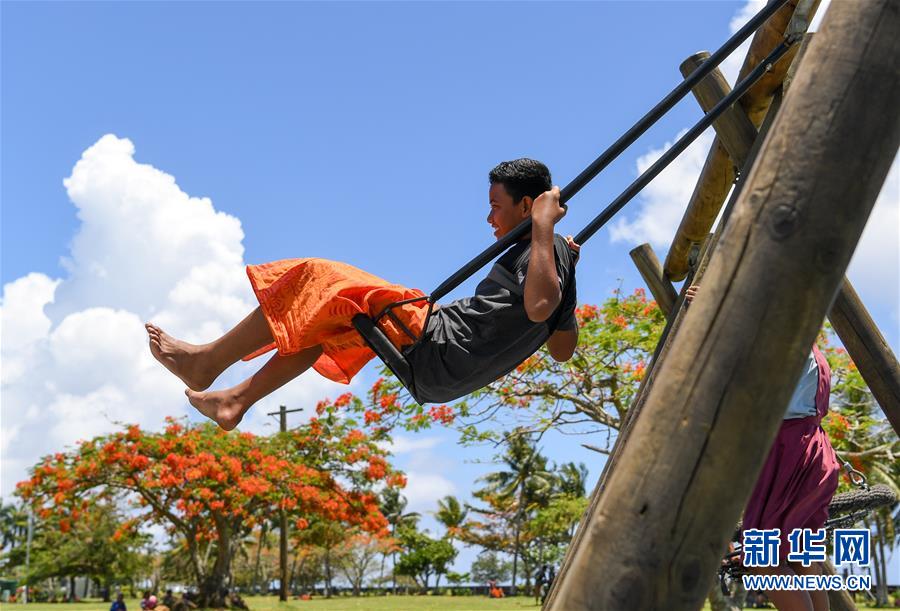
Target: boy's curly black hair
x=522, y=177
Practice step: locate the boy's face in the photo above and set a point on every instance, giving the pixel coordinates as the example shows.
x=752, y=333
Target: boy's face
x=505, y=213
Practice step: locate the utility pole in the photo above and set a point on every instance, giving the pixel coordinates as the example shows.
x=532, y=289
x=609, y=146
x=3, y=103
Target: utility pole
x=283, y=551
x=28, y=550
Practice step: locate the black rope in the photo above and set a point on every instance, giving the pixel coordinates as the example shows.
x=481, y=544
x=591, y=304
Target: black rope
x=682, y=143
x=605, y=158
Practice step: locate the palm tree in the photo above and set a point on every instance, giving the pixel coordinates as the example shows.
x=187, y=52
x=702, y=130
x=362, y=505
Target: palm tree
x=527, y=483
x=451, y=514
x=572, y=479
x=13, y=525
x=392, y=505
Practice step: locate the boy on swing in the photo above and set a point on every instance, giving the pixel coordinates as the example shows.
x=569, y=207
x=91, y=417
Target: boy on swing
x=306, y=307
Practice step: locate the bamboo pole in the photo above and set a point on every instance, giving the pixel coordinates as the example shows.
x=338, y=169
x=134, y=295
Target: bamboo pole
x=717, y=174
x=662, y=521
x=867, y=347
x=648, y=265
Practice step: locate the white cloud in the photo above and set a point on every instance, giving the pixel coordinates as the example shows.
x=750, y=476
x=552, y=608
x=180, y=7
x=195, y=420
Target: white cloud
x=402, y=444
x=820, y=14
x=74, y=352
x=875, y=268
x=23, y=323
x=732, y=64
x=662, y=202
x=424, y=489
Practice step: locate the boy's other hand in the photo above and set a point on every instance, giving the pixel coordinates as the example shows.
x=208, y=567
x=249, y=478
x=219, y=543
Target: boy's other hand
x=546, y=209
x=690, y=293
x=575, y=247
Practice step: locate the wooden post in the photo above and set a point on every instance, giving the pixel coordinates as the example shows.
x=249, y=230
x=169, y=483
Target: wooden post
x=662, y=351
x=718, y=173
x=838, y=600
x=661, y=524
x=282, y=413
x=734, y=130
x=283, y=530
x=867, y=347
x=651, y=271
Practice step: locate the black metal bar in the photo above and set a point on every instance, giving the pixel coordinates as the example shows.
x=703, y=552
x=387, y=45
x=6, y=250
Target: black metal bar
x=399, y=323
x=616, y=149
x=397, y=304
x=676, y=149
x=386, y=351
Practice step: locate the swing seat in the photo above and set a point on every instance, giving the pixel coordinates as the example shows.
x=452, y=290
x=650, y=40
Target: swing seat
x=382, y=346
x=386, y=351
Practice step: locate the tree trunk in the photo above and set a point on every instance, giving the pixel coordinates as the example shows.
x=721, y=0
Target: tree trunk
x=881, y=592
x=838, y=600
x=327, y=573
x=663, y=520
x=214, y=587
x=198, y=566
x=262, y=537
x=519, y=515
x=869, y=350
x=512, y=589
x=394, y=562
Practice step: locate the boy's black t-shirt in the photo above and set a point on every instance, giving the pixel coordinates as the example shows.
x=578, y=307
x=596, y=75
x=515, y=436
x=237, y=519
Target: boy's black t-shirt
x=473, y=341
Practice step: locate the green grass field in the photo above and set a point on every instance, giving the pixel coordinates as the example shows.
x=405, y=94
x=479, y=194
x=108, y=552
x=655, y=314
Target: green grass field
x=374, y=603
x=343, y=603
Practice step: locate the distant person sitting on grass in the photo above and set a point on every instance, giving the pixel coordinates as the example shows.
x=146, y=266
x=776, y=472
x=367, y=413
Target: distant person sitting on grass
x=119, y=603
x=184, y=603
x=306, y=308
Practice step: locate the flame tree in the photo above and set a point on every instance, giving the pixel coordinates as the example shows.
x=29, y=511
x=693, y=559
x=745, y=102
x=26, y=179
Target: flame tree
x=209, y=489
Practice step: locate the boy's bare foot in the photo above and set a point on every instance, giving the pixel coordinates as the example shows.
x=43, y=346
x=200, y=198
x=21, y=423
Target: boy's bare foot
x=220, y=406
x=185, y=360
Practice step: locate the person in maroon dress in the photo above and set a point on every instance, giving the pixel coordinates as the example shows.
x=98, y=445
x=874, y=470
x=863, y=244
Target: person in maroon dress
x=797, y=481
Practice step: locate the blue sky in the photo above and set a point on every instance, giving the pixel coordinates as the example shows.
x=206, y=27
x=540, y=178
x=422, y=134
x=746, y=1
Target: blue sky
x=361, y=132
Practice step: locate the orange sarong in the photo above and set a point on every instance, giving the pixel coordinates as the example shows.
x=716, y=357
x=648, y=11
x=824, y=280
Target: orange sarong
x=311, y=302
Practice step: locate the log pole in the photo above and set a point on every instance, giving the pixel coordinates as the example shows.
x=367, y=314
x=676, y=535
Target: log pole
x=662, y=522
x=662, y=351
x=651, y=271
x=734, y=129
x=718, y=170
x=869, y=350
x=838, y=600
